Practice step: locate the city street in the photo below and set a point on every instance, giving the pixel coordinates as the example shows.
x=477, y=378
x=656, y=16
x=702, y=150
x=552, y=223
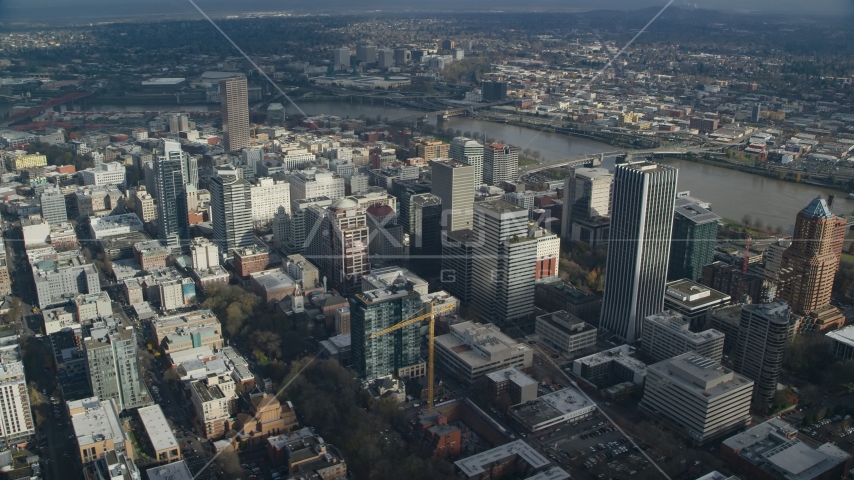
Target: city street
x=178, y=411
x=56, y=443
x=56, y=427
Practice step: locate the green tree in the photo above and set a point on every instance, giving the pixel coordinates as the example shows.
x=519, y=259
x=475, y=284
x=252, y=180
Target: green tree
x=268, y=342
x=233, y=304
x=368, y=433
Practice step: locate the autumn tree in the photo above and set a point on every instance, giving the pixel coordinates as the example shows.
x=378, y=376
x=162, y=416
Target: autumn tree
x=367, y=433
x=267, y=342
x=233, y=304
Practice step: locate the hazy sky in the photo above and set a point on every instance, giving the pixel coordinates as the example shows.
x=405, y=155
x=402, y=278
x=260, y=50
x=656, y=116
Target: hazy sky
x=98, y=10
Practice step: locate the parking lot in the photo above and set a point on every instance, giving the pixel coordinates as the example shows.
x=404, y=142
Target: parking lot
x=836, y=428
x=590, y=450
x=584, y=445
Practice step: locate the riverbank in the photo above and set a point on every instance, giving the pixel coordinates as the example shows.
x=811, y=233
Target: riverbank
x=177, y=99
x=735, y=193
x=616, y=139
x=787, y=176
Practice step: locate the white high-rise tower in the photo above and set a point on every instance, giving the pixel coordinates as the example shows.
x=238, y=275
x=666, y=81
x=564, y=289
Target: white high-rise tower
x=231, y=209
x=639, y=247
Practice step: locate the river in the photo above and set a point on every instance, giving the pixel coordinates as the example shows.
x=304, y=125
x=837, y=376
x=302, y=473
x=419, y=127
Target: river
x=734, y=194
x=731, y=193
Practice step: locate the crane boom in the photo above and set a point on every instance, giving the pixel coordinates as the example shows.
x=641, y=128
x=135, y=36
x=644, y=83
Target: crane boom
x=412, y=320
x=431, y=315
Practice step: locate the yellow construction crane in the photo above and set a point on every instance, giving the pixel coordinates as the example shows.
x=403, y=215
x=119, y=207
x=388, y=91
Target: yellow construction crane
x=434, y=310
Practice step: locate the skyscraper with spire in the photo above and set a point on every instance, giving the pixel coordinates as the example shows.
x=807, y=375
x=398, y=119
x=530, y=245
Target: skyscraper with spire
x=809, y=265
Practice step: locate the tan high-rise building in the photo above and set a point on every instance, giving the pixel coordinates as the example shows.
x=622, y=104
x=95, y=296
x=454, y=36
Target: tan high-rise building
x=234, y=98
x=810, y=263
x=454, y=182
x=500, y=163
x=430, y=149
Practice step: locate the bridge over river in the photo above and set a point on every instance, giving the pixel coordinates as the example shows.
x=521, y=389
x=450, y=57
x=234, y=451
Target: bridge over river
x=584, y=159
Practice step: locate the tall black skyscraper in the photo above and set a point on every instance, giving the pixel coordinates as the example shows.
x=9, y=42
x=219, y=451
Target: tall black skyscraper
x=425, y=233
x=695, y=230
x=494, y=91
x=403, y=190
x=756, y=113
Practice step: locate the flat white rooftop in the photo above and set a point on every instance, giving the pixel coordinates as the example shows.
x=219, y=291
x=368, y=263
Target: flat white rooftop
x=473, y=465
x=562, y=404
x=554, y=473
x=386, y=277
x=622, y=353
x=97, y=422
x=158, y=429
x=843, y=335
x=699, y=375
x=513, y=374
x=772, y=447
x=170, y=471
x=477, y=344
x=565, y=400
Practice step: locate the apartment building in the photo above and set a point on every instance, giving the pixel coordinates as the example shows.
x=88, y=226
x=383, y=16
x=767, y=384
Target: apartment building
x=112, y=173
x=267, y=196
x=519, y=387
x=112, y=361
x=150, y=255
x=164, y=446
x=97, y=429
x=144, y=205
x=56, y=280
x=16, y=424
x=313, y=183
x=92, y=306
x=204, y=253
x=763, y=334
x=430, y=149
x=199, y=328
x=215, y=401
x=248, y=260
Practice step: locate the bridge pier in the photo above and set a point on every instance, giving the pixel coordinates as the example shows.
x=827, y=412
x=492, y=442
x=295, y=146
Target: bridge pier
x=441, y=120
